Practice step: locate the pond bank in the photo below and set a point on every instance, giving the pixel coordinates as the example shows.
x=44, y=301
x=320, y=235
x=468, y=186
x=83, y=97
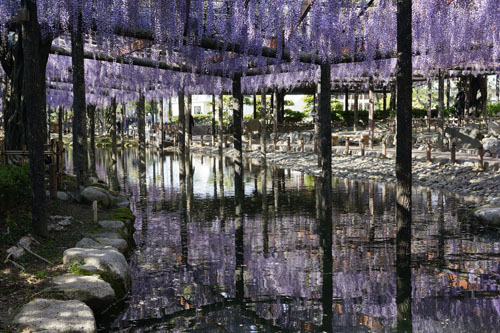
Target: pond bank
x=81, y=266
x=464, y=180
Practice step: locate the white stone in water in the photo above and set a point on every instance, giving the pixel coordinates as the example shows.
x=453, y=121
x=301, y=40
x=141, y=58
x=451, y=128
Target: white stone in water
x=56, y=316
x=488, y=215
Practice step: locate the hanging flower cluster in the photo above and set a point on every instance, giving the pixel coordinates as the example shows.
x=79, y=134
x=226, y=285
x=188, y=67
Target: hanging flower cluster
x=268, y=42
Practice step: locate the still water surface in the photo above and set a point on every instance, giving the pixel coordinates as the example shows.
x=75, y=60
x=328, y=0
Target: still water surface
x=204, y=264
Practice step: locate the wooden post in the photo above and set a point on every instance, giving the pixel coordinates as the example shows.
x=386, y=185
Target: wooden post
x=429, y=107
x=263, y=122
x=250, y=143
x=202, y=143
x=384, y=148
x=480, y=157
x=356, y=109
x=325, y=123
x=315, y=145
x=384, y=102
x=302, y=145
x=94, y=209
x=275, y=143
x=453, y=150
x=275, y=112
x=347, y=146
x=371, y=121
x=288, y=144
x=60, y=165
x=362, y=143
x=441, y=110
x=220, y=108
x=428, y=149
x=2, y=153
x=214, y=131
x=23, y=158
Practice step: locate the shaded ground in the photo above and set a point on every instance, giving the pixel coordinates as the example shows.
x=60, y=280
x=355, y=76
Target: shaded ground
x=17, y=287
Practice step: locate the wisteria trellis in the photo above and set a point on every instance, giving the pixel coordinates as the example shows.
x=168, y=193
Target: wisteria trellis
x=447, y=34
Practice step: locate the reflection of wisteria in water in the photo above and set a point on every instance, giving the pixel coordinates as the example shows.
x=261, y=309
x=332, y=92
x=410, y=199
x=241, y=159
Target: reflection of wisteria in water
x=186, y=267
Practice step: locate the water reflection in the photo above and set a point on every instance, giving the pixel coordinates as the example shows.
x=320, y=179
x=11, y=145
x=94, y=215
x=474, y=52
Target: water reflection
x=217, y=254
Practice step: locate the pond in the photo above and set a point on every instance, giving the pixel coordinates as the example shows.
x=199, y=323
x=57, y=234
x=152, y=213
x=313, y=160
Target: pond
x=207, y=261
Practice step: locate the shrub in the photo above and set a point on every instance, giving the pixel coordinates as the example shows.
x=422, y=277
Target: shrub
x=493, y=109
x=294, y=116
x=14, y=185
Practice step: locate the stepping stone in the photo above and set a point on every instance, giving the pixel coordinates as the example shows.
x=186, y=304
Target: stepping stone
x=88, y=268
x=56, y=316
x=113, y=225
x=107, y=234
x=107, y=260
x=91, y=290
x=101, y=243
x=488, y=214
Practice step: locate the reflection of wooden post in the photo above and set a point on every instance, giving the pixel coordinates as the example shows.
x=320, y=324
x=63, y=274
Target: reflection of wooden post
x=275, y=141
x=347, y=146
x=362, y=142
x=429, y=158
x=480, y=157
x=453, y=152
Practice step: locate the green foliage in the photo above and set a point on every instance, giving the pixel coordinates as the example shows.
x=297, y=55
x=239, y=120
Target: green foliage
x=123, y=214
x=493, y=109
x=292, y=116
x=14, y=185
x=202, y=119
x=419, y=113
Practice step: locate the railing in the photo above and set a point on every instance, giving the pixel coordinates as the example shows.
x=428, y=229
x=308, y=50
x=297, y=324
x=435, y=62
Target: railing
x=56, y=167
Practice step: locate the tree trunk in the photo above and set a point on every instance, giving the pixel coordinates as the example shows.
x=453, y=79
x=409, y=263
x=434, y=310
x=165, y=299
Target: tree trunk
x=14, y=110
x=91, y=110
x=36, y=51
x=237, y=131
x=325, y=123
x=80, y=158
x=263, y=122
x=403, y=163
x=114, y=147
